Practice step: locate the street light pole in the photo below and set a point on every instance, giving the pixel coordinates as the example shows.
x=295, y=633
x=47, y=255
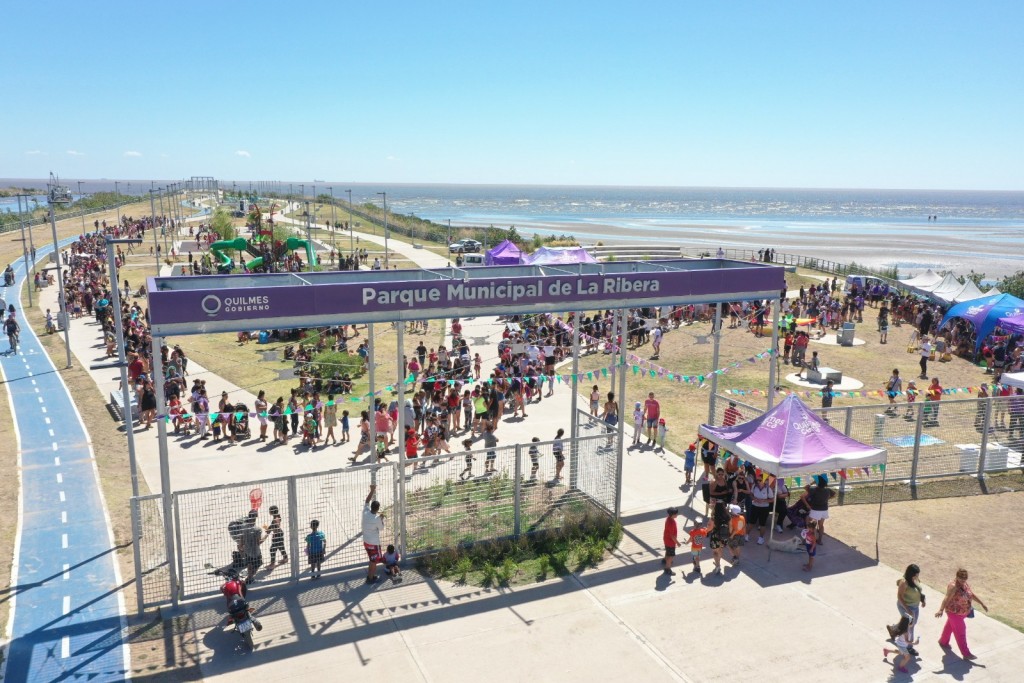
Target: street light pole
x=385, y=194
x=351, y=237
x=152, y=225
x=117, y=201
x=81, y=208
x=334, y=226
x=309, y=237
x=24, y=249
x=129, y=423
x=62, y=309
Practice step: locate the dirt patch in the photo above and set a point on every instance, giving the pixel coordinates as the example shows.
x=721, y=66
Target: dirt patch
x=942, y=534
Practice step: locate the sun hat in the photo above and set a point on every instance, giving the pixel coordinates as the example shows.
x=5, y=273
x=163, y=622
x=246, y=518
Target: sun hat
x=735, y=509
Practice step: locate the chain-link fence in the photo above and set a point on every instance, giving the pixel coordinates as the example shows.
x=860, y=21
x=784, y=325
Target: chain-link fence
x=927, y=439
x=438, y=502
x=152, y=578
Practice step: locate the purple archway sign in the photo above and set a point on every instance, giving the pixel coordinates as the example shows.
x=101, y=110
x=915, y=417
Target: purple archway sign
x=230, y=303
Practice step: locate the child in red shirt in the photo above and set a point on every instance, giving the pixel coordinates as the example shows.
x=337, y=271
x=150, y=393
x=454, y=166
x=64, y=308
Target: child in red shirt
x=670, y=537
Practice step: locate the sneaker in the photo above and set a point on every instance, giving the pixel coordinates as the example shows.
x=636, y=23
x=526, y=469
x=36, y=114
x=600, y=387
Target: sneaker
x=760, y=540
x=371, y=579
x=746, y=537
x=778, y=528
x=912, y=651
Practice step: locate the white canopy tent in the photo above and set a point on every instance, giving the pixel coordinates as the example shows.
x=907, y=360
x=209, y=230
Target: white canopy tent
x=928, y=278
x=1014, y=379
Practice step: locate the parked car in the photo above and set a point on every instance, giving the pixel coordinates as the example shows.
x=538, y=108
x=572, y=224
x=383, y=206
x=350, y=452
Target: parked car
x=464, y=247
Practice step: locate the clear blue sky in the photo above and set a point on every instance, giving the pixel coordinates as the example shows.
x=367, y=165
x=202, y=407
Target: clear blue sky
x=781, y=94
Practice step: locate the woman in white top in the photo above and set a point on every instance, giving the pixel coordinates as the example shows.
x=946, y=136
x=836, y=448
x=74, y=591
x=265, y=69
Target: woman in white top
x=760, y=506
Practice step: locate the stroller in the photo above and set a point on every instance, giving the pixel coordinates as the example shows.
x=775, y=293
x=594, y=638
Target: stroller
x=239, y=422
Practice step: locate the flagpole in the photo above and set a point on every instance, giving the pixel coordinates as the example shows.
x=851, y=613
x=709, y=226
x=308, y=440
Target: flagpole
x=881, y=499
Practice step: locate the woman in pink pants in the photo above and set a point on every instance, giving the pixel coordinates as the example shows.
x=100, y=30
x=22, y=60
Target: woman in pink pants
x=957, y=605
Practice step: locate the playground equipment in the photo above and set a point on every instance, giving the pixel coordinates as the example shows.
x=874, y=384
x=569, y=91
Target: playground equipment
x=225, y=263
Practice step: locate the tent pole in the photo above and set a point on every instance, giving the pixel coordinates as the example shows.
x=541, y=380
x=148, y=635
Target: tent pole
x=772, y=367
x=881, y=498
x=716, y=332
x=771, y=522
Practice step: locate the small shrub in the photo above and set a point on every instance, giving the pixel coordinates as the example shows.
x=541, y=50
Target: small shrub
x=463, y=567
x=490, y=573
x=543, y=567
x=508, y=570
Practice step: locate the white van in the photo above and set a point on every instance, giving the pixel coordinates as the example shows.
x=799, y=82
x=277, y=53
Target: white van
x=472, y=260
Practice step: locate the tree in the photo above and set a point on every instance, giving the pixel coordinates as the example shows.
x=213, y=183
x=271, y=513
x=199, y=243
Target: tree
x=222, y=225
x=1013, y=284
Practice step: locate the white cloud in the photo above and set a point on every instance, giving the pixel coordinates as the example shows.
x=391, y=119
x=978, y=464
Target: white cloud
x=391, y=157
x=163, y=156
x=76, y=153
x=34, y=152
x=243, y=153
x=132, y=153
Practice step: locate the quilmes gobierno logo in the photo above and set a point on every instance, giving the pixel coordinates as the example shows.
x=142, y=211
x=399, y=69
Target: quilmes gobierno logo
x=214, y=305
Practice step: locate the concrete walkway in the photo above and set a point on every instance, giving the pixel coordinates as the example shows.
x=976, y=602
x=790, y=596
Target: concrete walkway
x=623, y=620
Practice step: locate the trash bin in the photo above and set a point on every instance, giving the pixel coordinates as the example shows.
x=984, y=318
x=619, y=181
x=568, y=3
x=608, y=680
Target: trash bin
x=846, y=334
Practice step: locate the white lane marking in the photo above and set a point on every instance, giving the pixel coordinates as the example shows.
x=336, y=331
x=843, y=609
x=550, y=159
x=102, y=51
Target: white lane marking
x=51, y=431
x=62, y=496
x=33, y=381
x=67, y=572
x=67, y=604
x=56, y=460
x=43, y=408
x=40, y=399
x=60, y=478
x=30, y=374
x=65, y=647
x=36, y=389
x=54, y=445
x=47, y=420
x=63, y=540
x=63, y=516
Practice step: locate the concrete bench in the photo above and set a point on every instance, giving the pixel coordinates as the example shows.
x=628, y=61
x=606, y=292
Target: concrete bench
x=823, y=374
x=117, y=401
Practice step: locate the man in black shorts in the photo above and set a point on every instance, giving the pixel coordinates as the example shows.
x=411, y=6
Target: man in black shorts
x=671, y=538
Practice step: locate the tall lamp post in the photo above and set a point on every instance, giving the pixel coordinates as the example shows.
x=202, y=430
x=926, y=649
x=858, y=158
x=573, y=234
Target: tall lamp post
x=24, y=249
x=60, y=194
x=81, y=208
x=117, y=201
x=122, y=361
x=152, y=225
x=385, y=195
x=334, y=226
x=351, y=237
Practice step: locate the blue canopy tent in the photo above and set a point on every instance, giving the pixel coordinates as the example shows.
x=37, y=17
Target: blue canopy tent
x=984, y=313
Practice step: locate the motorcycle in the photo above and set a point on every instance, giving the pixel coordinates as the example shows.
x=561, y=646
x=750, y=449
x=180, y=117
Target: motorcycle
x=240, y=614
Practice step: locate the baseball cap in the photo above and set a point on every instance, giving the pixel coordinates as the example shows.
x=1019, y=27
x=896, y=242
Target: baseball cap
x=734, y=509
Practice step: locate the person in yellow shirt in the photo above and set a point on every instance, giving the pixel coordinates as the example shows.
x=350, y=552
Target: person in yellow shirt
x=737, y=532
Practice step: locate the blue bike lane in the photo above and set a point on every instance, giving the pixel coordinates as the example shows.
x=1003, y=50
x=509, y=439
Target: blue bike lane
x=67, y=612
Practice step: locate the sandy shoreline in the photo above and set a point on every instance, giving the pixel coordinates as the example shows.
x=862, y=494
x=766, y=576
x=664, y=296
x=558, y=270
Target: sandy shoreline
x=913, y=248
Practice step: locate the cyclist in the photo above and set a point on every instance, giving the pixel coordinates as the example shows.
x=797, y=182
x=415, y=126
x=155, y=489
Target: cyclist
x=11, y=329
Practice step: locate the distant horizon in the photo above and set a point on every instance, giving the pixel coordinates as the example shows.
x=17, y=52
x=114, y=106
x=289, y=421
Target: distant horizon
x=10, y=182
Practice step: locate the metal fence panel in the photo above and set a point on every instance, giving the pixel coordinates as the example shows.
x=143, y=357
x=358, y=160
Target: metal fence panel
x=206, y=519
x=450, y=501
x=152, y=573
x=747, y=411
x=336, y=500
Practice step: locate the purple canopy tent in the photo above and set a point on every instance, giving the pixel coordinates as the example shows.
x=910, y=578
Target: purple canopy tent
x=1013, y=324
x=554, y=256
x=791, y=440
x=505, y=254
x=985, y=313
